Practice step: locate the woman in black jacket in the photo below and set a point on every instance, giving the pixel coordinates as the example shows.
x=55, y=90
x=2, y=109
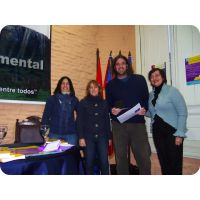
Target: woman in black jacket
x=94, y=128
x=59, y=112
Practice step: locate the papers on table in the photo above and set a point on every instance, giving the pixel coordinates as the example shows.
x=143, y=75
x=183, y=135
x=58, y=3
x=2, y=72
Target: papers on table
x=26, y=150
x=57, y=146
x=130, y=113
x=66, y=144
x=52, y=146
x=4, y=153
x=6, y=157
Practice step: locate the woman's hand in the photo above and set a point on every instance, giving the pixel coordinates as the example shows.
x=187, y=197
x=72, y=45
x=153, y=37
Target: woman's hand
x=142, y=111
x=116, y=111
x=178, y=140
x=109, y=142
x=82, y=143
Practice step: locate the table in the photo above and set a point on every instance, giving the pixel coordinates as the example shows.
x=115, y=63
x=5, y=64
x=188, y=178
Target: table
x=62, y=163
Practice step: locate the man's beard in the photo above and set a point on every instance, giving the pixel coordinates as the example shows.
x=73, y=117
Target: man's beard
x=122, y=73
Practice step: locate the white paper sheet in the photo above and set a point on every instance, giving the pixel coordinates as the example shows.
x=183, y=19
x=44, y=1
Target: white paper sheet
x=65, y=144
x=11, y=158
x=52, y=146
x=130, y=113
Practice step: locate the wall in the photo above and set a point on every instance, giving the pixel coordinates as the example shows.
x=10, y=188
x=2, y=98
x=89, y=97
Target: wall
x=154, y=45
x=115, y=38
x=186, y=43
x=73, y=54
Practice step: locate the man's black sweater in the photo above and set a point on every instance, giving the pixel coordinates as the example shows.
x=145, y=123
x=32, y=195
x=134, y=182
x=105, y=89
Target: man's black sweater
x=126, y=93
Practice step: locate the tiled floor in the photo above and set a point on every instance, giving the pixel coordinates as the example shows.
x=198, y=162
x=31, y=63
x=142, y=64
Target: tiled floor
x=190, y=165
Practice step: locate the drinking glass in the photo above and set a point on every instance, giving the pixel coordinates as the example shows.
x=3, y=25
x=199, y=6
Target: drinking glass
x=3, y=132
x=44, y=130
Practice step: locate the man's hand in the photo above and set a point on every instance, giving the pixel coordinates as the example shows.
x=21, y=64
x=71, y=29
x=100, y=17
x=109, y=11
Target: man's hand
x=116, y=111
x=142, y=111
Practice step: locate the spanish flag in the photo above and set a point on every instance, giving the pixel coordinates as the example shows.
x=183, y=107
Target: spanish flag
x=98, y=73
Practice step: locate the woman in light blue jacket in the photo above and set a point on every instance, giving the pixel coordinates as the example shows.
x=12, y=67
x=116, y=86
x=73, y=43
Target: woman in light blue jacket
x=168, y=113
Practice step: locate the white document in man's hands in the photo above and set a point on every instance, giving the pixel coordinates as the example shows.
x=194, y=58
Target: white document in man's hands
x=130, y=113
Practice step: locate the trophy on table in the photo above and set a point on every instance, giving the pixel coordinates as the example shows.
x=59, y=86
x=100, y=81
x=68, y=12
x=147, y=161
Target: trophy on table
x=44, y=130
x=3, y=132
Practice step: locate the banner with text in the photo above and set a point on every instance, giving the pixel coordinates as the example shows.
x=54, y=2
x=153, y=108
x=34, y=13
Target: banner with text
x=24, y=64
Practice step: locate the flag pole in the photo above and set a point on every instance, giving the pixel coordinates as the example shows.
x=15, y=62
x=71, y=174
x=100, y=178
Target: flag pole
x=98, y=70
x=130, y=62
x=97, y=55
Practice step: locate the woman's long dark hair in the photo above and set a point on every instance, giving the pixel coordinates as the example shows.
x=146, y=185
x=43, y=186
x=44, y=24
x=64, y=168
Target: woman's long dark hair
x=129, y=69
x=58, y=87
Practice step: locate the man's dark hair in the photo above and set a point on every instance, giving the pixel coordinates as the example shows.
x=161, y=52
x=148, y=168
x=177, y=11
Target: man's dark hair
x=58, y=87
x=129, y=68
x=162, y=73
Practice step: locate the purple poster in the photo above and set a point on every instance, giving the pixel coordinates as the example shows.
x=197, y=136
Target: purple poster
x=192, y=67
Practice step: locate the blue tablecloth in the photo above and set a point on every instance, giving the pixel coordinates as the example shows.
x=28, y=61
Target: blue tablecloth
x=64, y=163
